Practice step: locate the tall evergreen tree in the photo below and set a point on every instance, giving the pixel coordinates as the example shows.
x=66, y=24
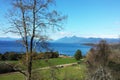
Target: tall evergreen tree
x=78, y=55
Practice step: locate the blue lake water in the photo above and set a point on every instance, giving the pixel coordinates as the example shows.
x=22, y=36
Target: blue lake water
x=63, y=48
x=70, y=48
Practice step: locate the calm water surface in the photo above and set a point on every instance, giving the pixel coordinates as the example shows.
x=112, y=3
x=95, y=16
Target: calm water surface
x=63, y=48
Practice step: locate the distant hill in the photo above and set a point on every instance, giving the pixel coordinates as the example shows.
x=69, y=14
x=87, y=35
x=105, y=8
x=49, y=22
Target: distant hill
x=75, y=39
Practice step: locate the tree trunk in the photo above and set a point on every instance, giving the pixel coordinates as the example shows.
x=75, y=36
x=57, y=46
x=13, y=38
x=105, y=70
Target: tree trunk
x=29, y=68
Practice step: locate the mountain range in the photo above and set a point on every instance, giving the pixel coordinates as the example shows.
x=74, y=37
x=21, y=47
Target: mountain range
x=75, y=39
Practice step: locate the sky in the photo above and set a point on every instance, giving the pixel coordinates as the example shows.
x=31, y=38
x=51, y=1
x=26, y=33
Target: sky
x=86, y=18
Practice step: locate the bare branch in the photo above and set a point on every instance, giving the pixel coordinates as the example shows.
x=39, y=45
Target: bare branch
x=16, y=69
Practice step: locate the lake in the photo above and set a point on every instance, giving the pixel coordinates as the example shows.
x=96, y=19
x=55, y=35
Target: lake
x=63, y=48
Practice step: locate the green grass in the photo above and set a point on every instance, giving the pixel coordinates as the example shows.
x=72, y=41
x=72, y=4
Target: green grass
x=54, y=61
x=73, y=72
x=13, y=62
x=46, y=62
x=67, y=73
x=12, y=76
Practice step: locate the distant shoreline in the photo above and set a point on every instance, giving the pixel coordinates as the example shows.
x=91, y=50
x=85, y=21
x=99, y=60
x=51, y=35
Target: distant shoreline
x=89, y=44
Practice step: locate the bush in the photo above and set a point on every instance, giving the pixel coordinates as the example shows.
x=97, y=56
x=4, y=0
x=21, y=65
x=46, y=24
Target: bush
x=18, y=56
x=55, y=54
x=114, y=66
x=46, y=55
x=5, y=68
x=40, y=56
x=11, y=56
x=51, y=55
x=78, y=55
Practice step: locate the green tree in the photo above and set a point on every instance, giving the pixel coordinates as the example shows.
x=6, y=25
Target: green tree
x=78, y=55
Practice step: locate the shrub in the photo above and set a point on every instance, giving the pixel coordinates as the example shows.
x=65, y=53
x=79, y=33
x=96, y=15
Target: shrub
x=38, y=56
x=51, y=55
x=55, y=54
x=11, y=56
x=5, y=68
x=78, y=55
x=45, y=55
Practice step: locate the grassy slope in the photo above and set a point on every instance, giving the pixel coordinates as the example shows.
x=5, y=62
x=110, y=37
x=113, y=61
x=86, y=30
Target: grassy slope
x=54, y=61
x=70, y=73
x=67, y=73
x=45, y=63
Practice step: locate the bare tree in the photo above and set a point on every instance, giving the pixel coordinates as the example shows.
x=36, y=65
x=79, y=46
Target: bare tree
x=32, y=21
x=98, y=60
x=99, y=55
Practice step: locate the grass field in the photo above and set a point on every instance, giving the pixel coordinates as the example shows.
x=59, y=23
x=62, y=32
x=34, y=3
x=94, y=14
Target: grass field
x=46, y=62
x=76, y=72
x=67, y=73
x=54, y=61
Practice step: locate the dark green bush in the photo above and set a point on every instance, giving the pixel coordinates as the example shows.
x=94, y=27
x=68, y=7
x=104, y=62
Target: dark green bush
x=114, y=66
x=45, y=55
x=5, y=68
x=18, y=56
x=55, y=54
x=51, y=55
x=11, y=56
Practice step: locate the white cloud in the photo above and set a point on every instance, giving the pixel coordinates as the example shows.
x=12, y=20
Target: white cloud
x=69, y=34
x=61, y=34
x=65, y=33
x=101, y=36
